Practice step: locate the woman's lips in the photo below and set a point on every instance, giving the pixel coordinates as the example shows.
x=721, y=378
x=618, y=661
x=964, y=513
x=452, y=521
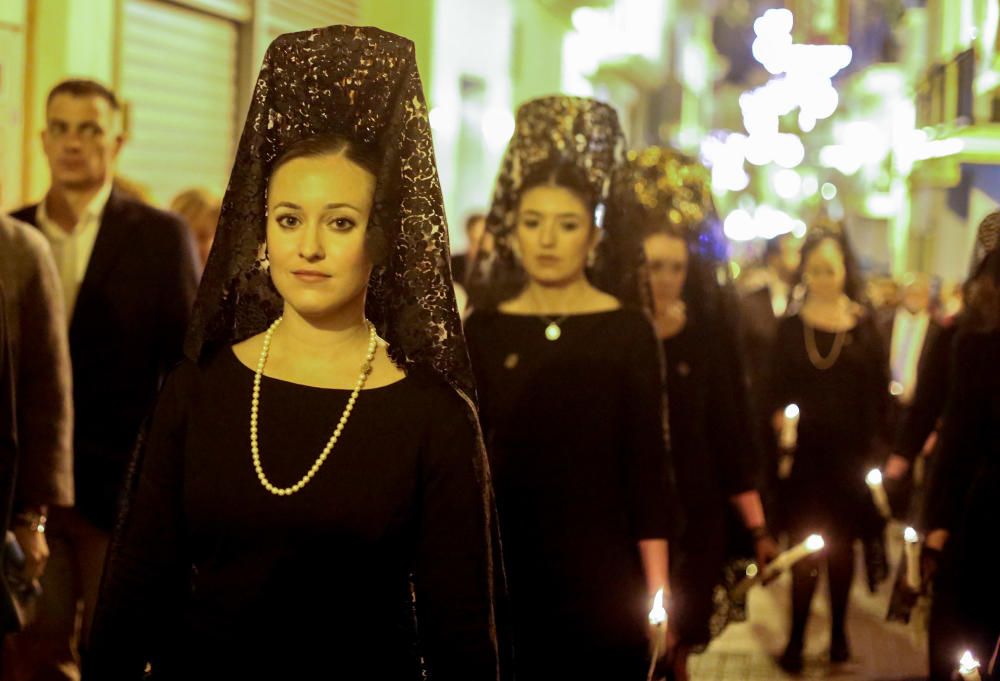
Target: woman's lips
x=547, y=260
x=310, y=276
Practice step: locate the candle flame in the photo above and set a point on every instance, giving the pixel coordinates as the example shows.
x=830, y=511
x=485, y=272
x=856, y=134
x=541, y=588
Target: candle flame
x=968, y=663
x=792, y=411
x=910, y=535
x=658, y=614
x=815, y=542
x=874, y=477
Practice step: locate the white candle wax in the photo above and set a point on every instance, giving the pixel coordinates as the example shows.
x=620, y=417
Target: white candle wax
x=793, y=555
x=911, y=548
x=658, y=620
x=790, y=427
x=881, y=499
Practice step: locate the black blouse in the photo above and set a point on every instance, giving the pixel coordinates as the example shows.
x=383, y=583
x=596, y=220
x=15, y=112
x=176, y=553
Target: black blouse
x=212, y=574
x=574, y=430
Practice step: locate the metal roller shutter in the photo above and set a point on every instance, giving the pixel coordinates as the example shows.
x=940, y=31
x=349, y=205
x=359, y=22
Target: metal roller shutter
x=179, y=81
x=285, y=16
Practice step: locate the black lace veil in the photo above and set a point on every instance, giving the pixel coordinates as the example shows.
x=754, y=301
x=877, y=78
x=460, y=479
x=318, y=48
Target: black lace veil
x=671, y=191
x=361, y=83
x=550, y=132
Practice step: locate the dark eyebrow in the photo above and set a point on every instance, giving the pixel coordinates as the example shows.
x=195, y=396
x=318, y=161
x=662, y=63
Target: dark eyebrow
x=329, y=206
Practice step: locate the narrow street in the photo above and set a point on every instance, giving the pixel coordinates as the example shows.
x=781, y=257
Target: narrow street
x=881, y=651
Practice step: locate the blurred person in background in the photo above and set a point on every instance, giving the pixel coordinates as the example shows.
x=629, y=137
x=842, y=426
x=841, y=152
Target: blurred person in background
x=763, y=303
x=962, y=504
x=128, y=282
x=882, y=292
x=39, y=366
x=829, y=360
x=571, y=402
x=200, y=210
x=479, y=252
x=909, y=331
x=712, y=445
x=476, y=237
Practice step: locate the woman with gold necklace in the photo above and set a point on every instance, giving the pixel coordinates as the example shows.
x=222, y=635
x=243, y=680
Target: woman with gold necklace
x=310, y=500
x=830, y=363
x=571, y=402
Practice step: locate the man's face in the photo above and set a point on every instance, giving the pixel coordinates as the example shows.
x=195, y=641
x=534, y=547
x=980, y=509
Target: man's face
x=81, y=141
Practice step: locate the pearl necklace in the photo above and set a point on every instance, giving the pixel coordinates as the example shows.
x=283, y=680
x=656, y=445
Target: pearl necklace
x=255, y=403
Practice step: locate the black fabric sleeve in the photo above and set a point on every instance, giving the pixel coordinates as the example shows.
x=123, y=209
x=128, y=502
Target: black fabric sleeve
x=454, y=569
x=178, y=284
x=44, y=392
x=145, y=574
x=878, y=389
x=928, y=402
x=960, y=431
x=729, y=415
x=781, y=392
x=474, y=339
x=649, y=492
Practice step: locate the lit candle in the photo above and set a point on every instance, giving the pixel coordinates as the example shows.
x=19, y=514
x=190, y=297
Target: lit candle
x=790, y=427
x=657, y=620
x=784, y=561
x=881, y=499
x=968, y=667
x=911, y=547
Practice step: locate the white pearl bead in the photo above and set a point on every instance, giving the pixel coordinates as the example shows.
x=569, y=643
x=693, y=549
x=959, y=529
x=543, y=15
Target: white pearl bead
x=255, y=403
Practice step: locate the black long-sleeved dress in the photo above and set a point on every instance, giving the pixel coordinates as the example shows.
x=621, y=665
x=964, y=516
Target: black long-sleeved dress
x=929, y=399
x=713, y=459
x=214, y=577
x=964, y=498
x=842, y=422
x=574, y=429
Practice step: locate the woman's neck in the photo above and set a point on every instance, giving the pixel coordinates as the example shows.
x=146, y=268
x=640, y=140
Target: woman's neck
x=568, y=298
x=331, y=337
x=835, y=313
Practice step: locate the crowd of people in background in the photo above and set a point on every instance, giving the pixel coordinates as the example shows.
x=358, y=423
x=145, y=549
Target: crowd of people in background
x=633, y=400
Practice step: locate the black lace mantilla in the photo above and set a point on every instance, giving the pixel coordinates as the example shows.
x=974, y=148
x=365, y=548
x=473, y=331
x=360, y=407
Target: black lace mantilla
x=362, y=83
x=575, y=131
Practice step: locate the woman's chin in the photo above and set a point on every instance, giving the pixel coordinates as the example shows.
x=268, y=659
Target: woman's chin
x=553, y=279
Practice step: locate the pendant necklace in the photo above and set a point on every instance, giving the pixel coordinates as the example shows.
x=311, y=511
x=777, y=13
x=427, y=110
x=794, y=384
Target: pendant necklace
x=553, y=330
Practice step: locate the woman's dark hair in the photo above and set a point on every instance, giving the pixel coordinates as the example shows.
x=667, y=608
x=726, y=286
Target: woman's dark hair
x=368, y=156
x=569, y=176
x=982, y=296
x=834, y=232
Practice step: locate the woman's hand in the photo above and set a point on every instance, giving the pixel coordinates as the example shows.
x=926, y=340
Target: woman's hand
x=765, y=550
x=36, y=551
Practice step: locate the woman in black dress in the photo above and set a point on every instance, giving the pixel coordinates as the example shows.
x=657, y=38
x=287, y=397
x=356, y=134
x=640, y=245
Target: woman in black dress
x=711, y=444
x=570, y=396
x=829, y=361
x=961, y=509
x=253, y=543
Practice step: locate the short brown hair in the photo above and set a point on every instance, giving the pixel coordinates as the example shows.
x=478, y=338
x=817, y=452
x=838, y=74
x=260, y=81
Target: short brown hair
x=83, y=87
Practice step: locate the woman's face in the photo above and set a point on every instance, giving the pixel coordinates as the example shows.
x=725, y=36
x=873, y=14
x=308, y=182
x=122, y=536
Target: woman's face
x=667, y=260
x=318, y=210
x=554, y=234
x=824, y=272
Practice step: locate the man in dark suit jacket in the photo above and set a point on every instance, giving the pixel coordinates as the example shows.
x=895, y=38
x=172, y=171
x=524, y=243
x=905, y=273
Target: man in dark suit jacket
x=128, y=281
x=909, y=332
x=762, y=305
